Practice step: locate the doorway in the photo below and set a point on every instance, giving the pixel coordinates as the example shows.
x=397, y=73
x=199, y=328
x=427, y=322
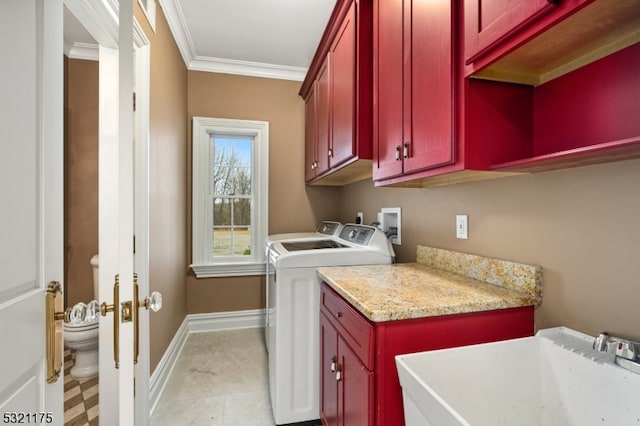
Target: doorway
x=82, y=114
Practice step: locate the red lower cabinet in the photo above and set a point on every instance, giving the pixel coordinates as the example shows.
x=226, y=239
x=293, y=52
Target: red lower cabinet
x=347, y=384
x=355, y=385
x=359, y=381
x=328, y=379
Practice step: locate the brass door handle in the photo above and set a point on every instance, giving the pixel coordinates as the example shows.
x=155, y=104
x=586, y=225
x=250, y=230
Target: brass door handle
x=55, y=316
x=54, y=340
x=128, y=313
x=104, y=309
x=154, y=302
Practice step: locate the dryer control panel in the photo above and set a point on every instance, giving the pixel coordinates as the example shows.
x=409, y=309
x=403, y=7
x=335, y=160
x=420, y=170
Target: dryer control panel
x=329, y=228
x=357, y=234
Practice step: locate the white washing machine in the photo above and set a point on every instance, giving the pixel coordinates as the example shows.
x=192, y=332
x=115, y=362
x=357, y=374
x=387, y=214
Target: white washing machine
x=326, y=229
x=294, y=310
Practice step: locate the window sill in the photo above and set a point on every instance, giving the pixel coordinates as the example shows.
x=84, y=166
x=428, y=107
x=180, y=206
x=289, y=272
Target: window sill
x=228, y=269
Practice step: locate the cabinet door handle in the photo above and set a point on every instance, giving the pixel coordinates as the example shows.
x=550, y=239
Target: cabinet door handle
x=338, y=314
x=397, y=152
x=405, y=151
x=338, y=373
x=333, y=364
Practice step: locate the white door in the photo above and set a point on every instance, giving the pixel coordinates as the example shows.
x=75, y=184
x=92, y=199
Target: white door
x=116, y=228
x=31, y=213
x=116, y=204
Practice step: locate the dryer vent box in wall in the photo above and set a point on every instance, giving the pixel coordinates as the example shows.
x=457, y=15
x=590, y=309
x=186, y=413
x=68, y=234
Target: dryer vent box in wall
x=391, y=223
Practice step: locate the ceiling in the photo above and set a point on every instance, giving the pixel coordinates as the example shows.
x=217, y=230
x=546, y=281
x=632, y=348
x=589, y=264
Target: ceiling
x=263, y=38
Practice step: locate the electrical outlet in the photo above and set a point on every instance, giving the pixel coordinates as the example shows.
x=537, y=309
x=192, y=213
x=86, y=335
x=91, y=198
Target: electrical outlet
x=360, y=218
x=462, y=226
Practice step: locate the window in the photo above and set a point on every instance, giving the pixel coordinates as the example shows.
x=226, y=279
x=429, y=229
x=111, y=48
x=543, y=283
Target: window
x=230, y=183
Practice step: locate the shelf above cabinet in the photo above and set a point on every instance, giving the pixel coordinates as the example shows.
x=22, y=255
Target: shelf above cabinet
x=585, y=117
x=594, y=31
x=602, y=153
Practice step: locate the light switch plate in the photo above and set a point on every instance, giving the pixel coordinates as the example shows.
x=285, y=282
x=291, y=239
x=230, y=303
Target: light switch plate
x=462, y=226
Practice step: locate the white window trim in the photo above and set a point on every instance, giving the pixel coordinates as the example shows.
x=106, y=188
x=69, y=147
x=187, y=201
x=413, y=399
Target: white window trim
x=202, y=218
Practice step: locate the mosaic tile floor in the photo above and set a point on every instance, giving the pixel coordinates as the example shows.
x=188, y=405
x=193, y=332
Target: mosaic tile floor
x=80, y=397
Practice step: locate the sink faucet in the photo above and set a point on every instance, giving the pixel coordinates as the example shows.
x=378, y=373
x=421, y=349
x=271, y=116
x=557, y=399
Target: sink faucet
x=627, y=351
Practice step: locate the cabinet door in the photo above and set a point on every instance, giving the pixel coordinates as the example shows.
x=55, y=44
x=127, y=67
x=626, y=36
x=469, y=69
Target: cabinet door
x=328, y=366
x=355, y=390
x=343, y=74
x=428, y=118
x=323, y=114
x=388, y=89
x=310, y=135
x=488, y=22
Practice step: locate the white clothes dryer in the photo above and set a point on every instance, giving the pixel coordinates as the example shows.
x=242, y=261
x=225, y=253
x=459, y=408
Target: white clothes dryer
x=326, y=229
x=294, y=312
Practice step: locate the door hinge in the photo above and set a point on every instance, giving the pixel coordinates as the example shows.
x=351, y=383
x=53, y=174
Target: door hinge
x=134, y=101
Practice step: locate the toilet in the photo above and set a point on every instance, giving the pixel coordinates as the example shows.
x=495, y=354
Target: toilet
x=83, y=338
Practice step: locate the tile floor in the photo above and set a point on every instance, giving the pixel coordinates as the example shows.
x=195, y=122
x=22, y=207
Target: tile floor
x=80, y=397
x=220, y=379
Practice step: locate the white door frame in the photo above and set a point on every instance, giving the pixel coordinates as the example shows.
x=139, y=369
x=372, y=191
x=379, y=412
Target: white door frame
x=100, y=18
x=141, y=220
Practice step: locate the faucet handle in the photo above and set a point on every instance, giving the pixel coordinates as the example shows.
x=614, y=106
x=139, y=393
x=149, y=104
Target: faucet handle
x=601, y=342
x=628, y=350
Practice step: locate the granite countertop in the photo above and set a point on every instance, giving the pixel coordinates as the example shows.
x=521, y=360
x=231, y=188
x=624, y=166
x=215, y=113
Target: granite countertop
x=441, y=282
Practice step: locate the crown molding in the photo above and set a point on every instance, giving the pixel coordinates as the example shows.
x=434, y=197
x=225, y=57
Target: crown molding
x=178, y=26
x=84, y=51
x=251, y=69
x=100, y=16
x=177, y=23
x=91, y=51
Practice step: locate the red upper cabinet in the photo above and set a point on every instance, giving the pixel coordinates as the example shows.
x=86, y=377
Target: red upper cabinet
x=323, y=118
x=430, y=96
x=343, y=78
x=310, y=135
x=341, y=74
x=388, y=88
x=413, y=86
x=488, y=22
x=317, y=125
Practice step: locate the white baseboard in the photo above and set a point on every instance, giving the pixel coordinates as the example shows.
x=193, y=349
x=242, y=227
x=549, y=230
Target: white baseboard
x=226, y=320
x=160, y=375
x=197, y=323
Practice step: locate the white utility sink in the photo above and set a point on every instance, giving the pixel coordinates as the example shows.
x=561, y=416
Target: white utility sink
x=553, y=378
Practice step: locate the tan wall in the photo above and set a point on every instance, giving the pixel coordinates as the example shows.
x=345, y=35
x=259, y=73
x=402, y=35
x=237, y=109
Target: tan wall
x=168, y=183
x=81, y=178
x=292, y=206
x=580, y=225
